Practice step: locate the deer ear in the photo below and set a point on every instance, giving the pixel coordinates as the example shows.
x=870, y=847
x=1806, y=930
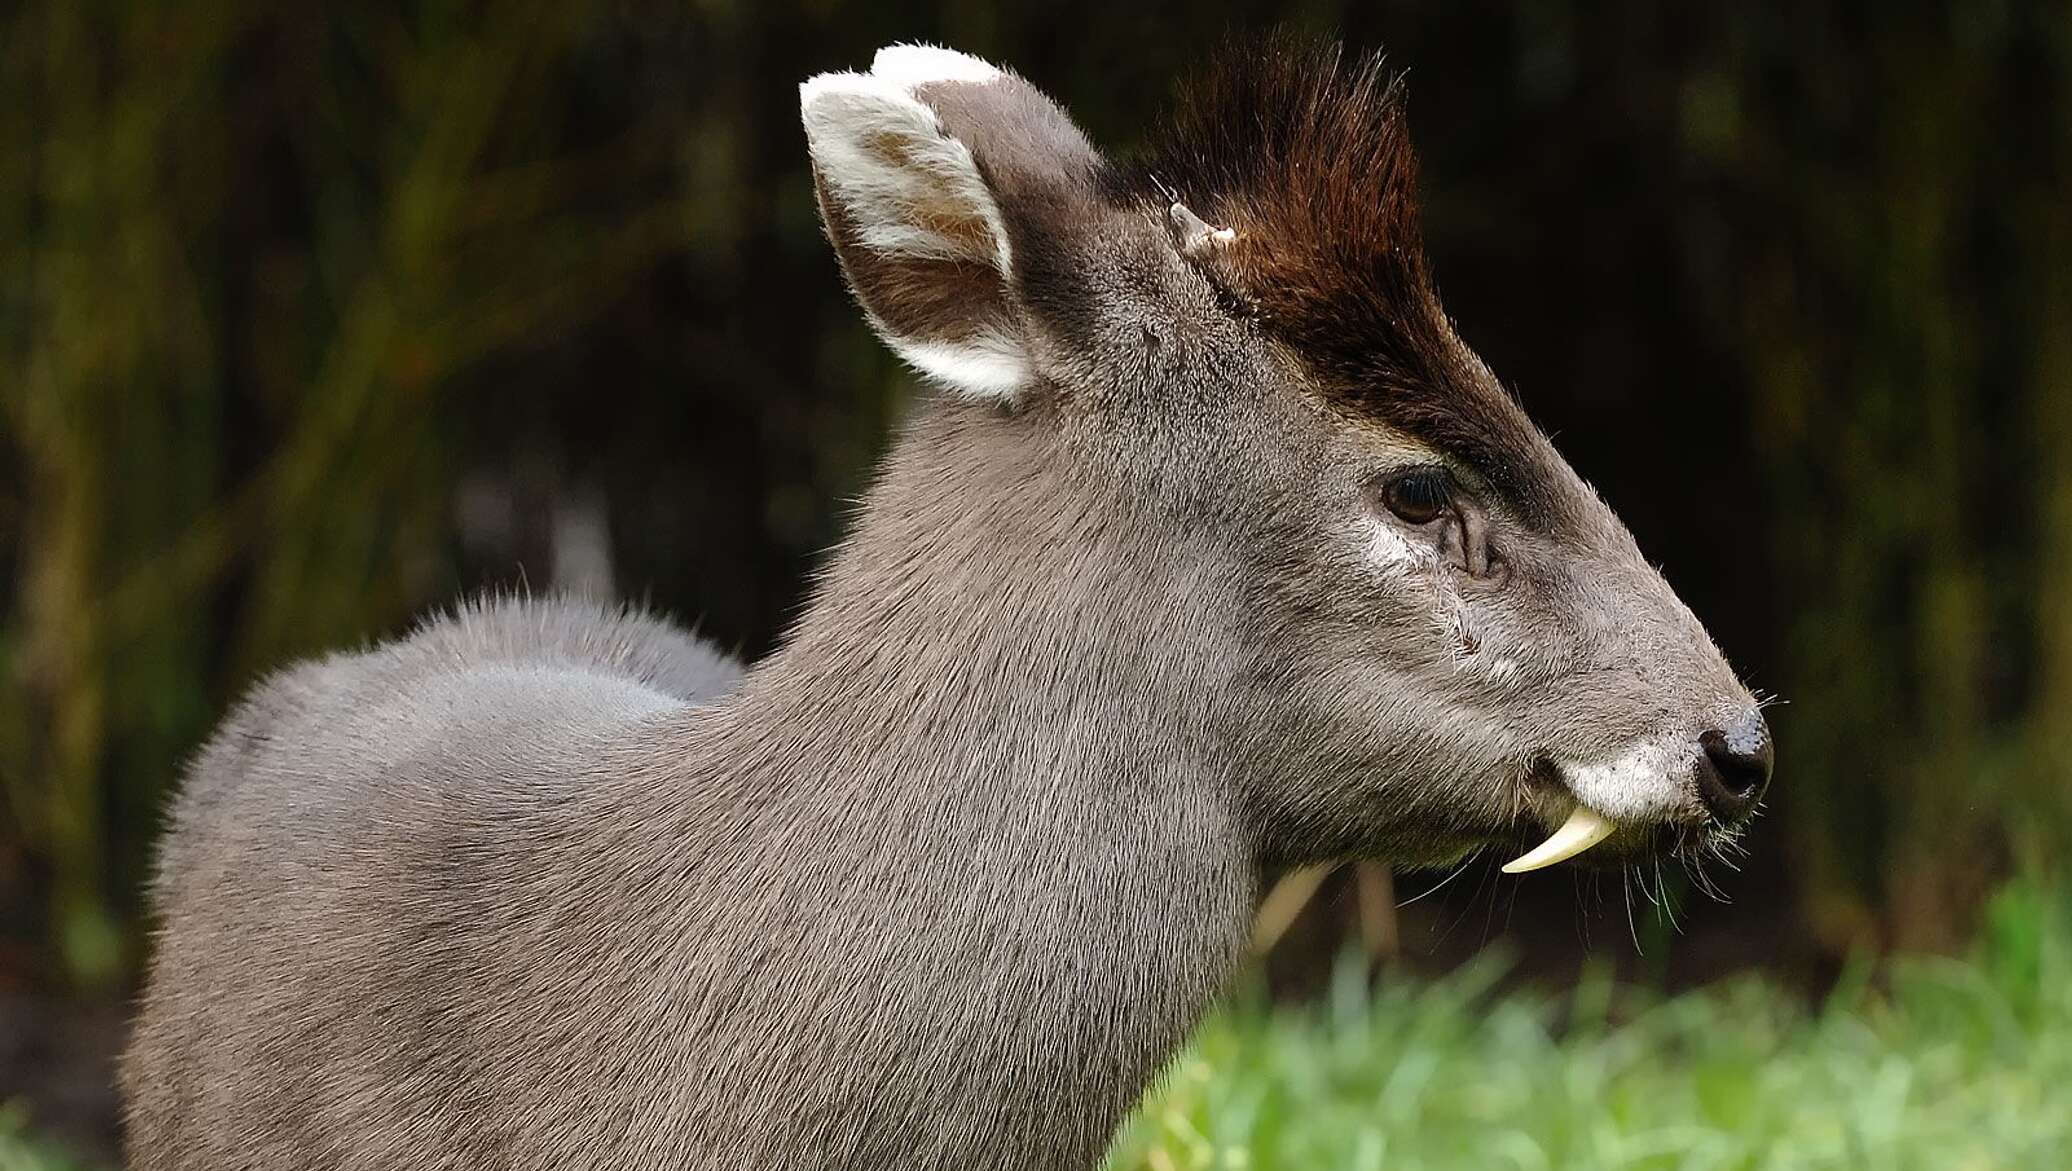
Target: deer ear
x=916, y=208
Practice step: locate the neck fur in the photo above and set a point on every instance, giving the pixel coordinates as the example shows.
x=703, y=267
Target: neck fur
x=976, y=774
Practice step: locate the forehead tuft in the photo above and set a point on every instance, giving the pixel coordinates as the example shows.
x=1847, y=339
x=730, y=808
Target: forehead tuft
x=1305, y=154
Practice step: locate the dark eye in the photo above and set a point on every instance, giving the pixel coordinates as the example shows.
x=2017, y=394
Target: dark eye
x=1418, y=495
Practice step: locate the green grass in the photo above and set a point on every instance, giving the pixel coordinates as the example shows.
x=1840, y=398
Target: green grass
x=20, y=1151
x=1928, y=1064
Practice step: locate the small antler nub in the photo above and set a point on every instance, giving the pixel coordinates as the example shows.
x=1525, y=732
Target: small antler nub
x=1193, y=235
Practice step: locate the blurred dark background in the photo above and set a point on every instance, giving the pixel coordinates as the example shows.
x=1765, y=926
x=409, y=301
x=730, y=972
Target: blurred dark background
x=316, y=317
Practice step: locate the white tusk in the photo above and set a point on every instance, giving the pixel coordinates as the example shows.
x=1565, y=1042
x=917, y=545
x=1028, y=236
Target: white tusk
x=1584, y=828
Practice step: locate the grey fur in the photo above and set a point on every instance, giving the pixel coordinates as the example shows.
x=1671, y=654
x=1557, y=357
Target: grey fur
x=945, y=880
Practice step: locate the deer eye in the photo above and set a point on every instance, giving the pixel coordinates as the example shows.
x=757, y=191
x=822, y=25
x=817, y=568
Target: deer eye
x=1417, y=495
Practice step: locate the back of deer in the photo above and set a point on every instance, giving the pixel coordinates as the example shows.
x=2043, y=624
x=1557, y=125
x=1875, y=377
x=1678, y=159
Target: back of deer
x=343, y=882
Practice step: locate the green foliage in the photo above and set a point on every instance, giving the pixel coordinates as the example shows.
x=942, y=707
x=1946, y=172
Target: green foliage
x=317, y=277
x=1936, y=1064
x=22, y=1151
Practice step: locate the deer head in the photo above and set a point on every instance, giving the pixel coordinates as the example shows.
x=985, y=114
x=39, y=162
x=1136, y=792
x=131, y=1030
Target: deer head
x=1421, y=632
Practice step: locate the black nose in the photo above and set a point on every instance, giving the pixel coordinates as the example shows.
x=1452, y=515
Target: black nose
x=1736, y=768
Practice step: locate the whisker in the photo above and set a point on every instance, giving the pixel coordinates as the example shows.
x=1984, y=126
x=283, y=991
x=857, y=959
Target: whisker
x=1694, y=865
x=1465, y=863
x=1481, y=884
x=1694, y=873
x=1668, y=901
x=1582, y=912
x=1632, y=928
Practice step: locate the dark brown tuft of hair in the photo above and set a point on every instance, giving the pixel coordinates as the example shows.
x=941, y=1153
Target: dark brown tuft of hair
x=1305, y=155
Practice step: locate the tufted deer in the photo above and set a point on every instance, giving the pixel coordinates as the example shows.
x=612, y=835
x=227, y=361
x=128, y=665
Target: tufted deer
x=1217, y=552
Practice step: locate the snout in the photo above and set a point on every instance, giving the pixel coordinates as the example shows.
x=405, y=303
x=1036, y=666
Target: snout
x=1733, y=771
x=1664, y=782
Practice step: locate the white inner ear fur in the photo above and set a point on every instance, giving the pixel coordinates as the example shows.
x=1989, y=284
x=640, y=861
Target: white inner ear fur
x=916, y=65
x=906, y=184
x=897, y=173
x=986, y=365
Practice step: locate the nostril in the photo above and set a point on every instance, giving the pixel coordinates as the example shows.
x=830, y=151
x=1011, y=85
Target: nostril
x=1736, y=768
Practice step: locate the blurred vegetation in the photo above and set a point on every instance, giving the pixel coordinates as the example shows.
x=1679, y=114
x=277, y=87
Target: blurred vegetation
x=1924, y=1064
x=314, y=319
x=21, y=1150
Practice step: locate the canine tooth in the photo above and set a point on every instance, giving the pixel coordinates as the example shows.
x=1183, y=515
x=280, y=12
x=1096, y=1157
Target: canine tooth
x=1584, y=828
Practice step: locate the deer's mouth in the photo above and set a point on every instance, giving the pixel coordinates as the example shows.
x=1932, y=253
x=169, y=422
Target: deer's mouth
x=1581, y=829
